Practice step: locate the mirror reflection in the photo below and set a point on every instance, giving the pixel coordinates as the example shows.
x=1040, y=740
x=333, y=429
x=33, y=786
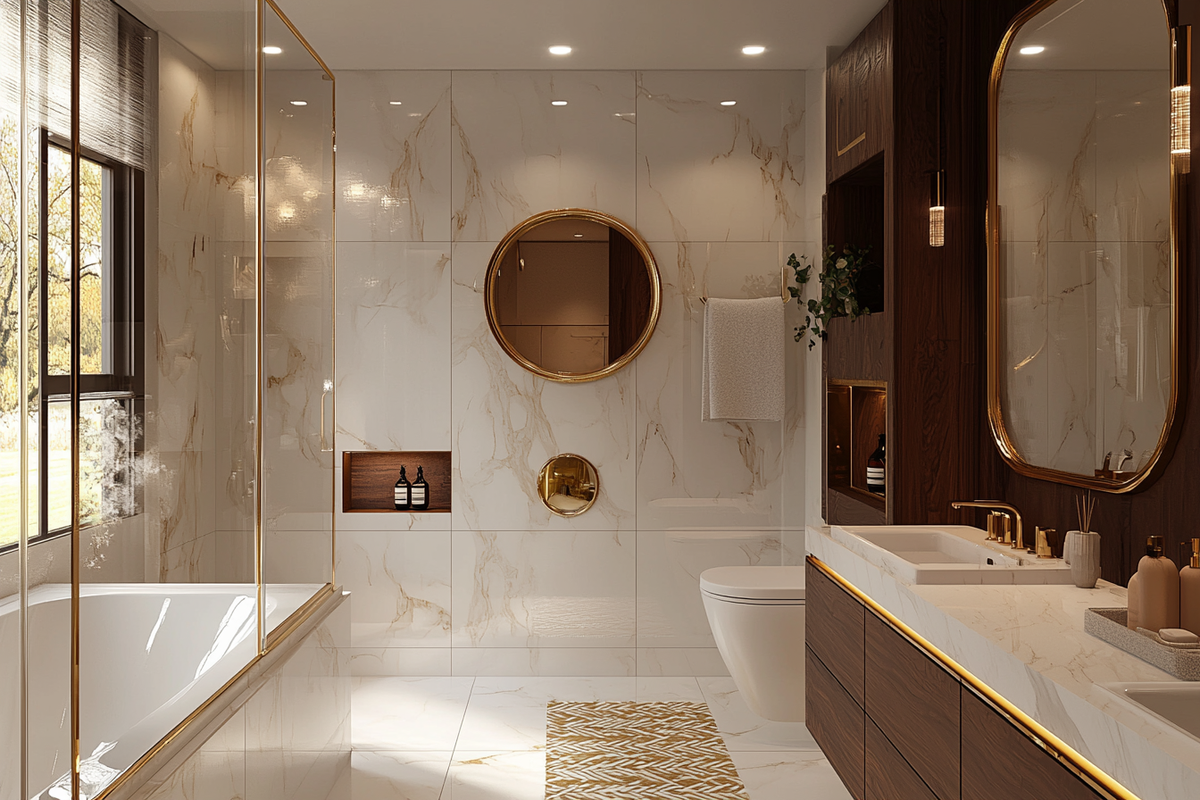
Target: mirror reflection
x=568, y=485
x=1082, y=246
x=573, y=295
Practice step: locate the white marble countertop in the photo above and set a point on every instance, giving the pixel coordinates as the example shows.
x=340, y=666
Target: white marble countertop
x=1028, y=644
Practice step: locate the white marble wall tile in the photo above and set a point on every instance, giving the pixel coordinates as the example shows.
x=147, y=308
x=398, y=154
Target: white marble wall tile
x=394, y=340
x=694, y=474
x=670, y=610
x=1133, y=142
x=394, y=160
x=297, y=556
x=814, y=384
x=792, y=547
x=508, y=422
x=1073, y=272
x=369, y=662
x=194, y=561
x=798, y=361
x=401, y=587
x=514, y=154
x=708, y=172
x=700, y=661
x=543, y=589
x=216, y=772
x=545, y=661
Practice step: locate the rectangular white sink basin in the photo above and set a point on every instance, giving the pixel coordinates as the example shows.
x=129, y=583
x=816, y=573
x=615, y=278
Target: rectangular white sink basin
x=947, y=554
x=1175, y=702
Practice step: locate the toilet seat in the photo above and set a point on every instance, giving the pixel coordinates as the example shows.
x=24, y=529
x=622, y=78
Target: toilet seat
x=755, y=585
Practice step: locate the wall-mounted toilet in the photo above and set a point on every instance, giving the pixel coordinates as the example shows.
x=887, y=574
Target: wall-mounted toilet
x=757, y=618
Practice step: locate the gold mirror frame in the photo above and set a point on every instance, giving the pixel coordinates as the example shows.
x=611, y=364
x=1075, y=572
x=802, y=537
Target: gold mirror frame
x=547, y=485
x=995, y=356
x=590, y=216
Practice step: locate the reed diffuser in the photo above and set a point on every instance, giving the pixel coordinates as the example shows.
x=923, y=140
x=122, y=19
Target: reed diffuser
x=1081, y=549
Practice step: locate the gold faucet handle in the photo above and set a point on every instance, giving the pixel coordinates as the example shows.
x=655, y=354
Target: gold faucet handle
x=993, y=526
x=1045, y=545
x=1004, y=528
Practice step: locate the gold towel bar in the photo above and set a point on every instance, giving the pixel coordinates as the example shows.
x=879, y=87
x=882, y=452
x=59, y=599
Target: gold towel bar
x=783, y=287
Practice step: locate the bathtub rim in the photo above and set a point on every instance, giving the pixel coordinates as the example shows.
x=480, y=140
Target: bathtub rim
x=175, y=746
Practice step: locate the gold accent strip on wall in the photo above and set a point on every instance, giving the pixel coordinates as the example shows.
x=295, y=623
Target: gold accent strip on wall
x=862, y=137
x=837, y=132
x=1062, y=752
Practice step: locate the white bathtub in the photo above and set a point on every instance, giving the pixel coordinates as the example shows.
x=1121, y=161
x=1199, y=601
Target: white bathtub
x=150, y=654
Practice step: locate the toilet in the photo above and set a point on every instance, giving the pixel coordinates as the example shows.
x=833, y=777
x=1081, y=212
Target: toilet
x=757, y=618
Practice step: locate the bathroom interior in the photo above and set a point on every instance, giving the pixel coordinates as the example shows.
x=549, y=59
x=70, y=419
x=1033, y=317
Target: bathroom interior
x=477, y=401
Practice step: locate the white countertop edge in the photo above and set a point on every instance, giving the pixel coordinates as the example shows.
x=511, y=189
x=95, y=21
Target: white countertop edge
x=1028, y=644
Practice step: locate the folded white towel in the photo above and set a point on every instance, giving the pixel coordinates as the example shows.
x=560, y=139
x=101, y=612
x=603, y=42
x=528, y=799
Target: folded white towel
x=743, y=359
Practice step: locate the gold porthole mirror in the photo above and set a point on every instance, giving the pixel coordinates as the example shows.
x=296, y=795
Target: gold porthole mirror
x=569, y=485
x=573, y=295
x=1090, y=134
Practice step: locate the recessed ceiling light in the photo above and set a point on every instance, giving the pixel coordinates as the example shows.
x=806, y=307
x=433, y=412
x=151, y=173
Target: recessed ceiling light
x=272, y=50
x=558, y=102
x=1032, y=50
x=579, y=236
x=299, y=102
x=754, y=50
x=729, y=102
x=560, y=50
x=395, y=103
x=415, y=114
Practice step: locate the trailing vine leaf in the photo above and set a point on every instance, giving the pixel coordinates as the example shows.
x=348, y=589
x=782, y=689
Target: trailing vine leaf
x=839, y=289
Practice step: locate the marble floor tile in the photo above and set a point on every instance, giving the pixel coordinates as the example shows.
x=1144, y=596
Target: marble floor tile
x=745, y=731
x=408, y=714
x=488, y=775
x=398, y=776
x=510, y=713
x=788, y=776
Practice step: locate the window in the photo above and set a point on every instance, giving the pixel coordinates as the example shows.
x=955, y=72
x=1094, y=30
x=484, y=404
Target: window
x=109, y=295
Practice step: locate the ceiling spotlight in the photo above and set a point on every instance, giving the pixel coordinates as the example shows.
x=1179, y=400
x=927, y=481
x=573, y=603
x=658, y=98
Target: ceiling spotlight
x=753, y=50
x=272, y=50
x=299, y=102
x=1032, y=50
x=558, y=102
x=395, y=103
x=560, y=50
x=729, y=102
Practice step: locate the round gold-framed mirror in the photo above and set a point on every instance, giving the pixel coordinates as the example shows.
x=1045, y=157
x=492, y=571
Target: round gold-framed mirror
x=568, y=485
x=573, y=295
x=1088, y=143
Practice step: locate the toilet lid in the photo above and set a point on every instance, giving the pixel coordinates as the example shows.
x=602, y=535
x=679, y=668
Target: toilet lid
x=754, y=583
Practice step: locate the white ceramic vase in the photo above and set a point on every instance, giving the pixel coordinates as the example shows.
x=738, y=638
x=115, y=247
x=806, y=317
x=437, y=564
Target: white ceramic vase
x=1081, y=552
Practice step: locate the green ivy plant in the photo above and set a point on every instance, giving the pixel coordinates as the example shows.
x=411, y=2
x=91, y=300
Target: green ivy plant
x=839, y=291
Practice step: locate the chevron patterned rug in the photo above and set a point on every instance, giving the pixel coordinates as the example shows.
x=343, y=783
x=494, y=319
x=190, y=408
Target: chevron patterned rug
x=637, y=751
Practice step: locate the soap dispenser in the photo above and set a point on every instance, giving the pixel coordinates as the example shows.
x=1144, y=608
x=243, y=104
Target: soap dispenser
x=1158, y=586
x=403, y=492
x=1189, y=592
x=420, y=491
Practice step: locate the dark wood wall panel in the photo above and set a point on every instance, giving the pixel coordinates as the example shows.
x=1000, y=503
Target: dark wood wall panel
x=860, y=76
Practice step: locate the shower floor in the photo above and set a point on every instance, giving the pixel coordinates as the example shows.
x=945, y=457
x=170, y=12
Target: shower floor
x=485, y=738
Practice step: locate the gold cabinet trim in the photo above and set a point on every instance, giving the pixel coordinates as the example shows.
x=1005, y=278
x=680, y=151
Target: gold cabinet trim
x=1067, y=756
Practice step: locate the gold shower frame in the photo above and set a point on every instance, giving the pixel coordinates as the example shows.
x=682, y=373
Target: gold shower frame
x=267, y=641
x=995, y=356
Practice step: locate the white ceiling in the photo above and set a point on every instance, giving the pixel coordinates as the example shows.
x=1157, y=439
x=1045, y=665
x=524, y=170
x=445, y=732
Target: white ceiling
x=515, y=34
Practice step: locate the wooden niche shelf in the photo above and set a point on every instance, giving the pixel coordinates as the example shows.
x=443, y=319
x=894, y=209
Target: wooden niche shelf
x=857, y=413
x=369, y=479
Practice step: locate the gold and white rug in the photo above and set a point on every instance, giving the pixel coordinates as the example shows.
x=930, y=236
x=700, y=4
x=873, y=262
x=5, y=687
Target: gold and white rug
x=637, y=751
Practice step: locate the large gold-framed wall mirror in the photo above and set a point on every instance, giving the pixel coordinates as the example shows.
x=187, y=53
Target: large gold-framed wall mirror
x=1089, y=142
x=573, y=295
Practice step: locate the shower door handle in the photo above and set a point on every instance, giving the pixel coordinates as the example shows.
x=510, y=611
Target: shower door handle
x=326, y=442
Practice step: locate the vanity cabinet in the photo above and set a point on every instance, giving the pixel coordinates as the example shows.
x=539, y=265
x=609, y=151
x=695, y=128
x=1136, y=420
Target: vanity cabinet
x=918, y=732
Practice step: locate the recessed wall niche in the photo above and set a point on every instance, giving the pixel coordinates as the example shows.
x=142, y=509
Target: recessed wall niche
x=369, y=479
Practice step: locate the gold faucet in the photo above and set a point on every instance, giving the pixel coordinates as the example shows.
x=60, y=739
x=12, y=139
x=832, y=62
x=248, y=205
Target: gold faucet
x=1019, y=539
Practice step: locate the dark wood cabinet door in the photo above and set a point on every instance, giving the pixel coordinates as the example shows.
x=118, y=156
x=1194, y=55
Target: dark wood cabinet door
x=888, y=775
x=858, y=101
x=916, y=704
x=1000, y=762
x=833, y=628
x=837, y=724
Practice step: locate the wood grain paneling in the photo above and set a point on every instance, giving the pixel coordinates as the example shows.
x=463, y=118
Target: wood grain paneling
x=837, y=724
x=916, y=704
x=369, y=479
x=888, y=775
x=1000, y=763
x=858, y=86
x=833, y=628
